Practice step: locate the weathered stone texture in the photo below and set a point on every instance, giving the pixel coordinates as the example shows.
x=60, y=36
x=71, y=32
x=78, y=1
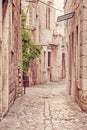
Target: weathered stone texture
x=78, y=69
x=48, y=107
x=83, y=72
x=84, y=22
x=82, y=101
x=42, y=33
x=11, y=61
x=83, y=83
x=83, y=49
x=83, y=61
x=84, y=37
x=0, y=58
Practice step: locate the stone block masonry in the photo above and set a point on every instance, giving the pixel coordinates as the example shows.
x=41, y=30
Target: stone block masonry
x=45, y=107
x=42, y=25
x=76, y=36
x=10, y=54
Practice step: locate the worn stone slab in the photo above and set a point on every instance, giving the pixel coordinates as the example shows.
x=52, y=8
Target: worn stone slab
x=45, y=107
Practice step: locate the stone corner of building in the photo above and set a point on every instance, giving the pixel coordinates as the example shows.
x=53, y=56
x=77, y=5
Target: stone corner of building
x=82, y=101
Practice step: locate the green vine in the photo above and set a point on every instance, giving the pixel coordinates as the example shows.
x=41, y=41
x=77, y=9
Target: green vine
x=30, y=50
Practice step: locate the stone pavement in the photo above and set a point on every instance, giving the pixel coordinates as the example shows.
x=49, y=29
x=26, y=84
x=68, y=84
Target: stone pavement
x=45, y=107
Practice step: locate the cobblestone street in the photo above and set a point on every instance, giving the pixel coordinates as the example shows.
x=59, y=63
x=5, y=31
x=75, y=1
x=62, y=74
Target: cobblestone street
x=45, y=107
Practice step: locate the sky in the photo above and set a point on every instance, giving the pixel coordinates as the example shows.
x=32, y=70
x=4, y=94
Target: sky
x=59, y=4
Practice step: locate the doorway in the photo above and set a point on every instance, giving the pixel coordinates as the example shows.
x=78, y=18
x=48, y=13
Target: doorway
x=63, y=66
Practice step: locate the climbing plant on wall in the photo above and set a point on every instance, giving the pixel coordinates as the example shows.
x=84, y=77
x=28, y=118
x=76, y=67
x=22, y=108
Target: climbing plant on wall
x=30, y=50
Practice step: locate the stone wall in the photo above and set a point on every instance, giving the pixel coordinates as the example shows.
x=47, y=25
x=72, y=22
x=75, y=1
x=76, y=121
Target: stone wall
x=75, y=30
x=0, y=58
x=42, y=36
x=11, y=59
x=16, y=53
x=42, y=33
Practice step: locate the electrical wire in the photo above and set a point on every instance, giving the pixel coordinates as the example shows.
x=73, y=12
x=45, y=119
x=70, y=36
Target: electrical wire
x=50, y=6
x=46, y=5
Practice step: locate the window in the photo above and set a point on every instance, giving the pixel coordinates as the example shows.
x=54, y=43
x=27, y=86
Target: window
x=73, y=47
x=63, y=66
x=77, y=35
x=33, y=18
x=48, y=18
x=3, y=1
x=72, y=38
x=77, y=57
x=44, y=58
x=4, y=8
x=49, y=59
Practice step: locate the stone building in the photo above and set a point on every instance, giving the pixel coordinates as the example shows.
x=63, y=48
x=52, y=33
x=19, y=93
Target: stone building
x=10, y=54
x=42, y=25
x=61, y=55
x=76, y=40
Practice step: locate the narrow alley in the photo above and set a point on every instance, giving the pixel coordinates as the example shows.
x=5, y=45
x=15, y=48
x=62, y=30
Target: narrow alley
x=45, y=107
